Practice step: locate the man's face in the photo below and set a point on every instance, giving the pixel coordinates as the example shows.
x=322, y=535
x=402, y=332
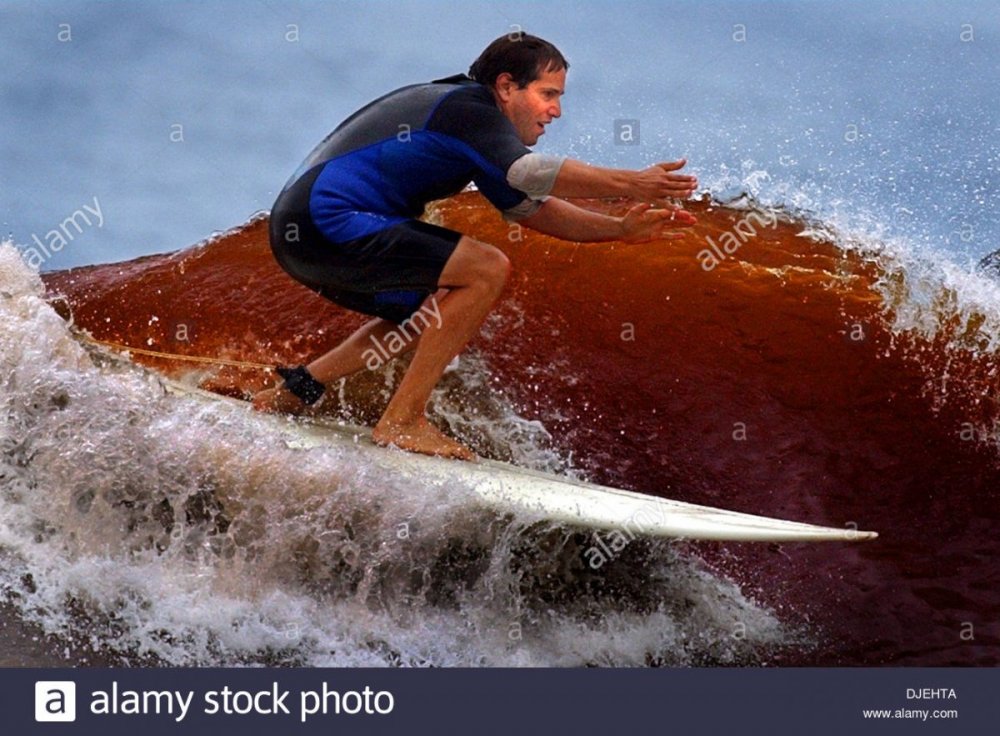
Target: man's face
x=532, y=108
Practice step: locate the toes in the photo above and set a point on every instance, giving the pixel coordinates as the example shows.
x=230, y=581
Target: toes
x=460, y=453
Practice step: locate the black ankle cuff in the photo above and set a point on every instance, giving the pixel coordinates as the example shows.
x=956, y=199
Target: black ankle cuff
x=300, y=382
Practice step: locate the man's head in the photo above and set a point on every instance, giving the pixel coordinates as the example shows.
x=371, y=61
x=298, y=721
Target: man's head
x=527, y=76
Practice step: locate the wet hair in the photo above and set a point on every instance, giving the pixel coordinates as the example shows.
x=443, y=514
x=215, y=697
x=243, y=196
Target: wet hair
x=523, y=56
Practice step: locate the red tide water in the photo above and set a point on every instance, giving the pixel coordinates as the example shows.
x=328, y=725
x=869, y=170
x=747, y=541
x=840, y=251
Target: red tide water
x=763, y=380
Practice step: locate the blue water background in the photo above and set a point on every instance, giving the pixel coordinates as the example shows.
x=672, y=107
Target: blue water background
x=878, y=116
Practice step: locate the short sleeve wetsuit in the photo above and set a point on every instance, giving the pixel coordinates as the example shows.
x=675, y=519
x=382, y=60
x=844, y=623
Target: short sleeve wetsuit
x=345, y=224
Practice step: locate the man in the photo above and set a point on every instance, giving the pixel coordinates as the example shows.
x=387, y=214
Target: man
x=345, y=225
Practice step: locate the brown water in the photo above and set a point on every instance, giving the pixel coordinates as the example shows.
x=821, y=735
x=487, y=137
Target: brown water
x=774, y=383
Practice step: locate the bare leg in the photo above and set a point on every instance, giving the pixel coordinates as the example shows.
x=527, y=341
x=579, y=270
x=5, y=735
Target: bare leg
x=343, y=360
x=474, y=276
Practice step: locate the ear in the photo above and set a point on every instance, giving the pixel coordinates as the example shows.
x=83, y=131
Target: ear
x=504, y=85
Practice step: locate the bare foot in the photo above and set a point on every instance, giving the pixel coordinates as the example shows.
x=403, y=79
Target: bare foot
x=278, y=401
x=422, y=437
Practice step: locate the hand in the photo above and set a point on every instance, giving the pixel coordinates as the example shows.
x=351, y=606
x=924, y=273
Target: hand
x=657, y=183
x=642, y=223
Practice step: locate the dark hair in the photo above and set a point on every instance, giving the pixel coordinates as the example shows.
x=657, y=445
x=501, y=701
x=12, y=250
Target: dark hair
x=521, y=55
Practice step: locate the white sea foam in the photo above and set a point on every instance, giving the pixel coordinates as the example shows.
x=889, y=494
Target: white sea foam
x=927, y=298
x=182, y=530
x=923, y=289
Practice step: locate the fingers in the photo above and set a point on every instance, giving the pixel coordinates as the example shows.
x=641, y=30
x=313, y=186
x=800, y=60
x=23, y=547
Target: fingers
x=681, y=220
x=658, y=182
x=677, y=216
x=680, y=188
x=663, y=221
x=682, y=185
x=644, y=223
x=685, y=218
x=638, y=209
x=673, y=165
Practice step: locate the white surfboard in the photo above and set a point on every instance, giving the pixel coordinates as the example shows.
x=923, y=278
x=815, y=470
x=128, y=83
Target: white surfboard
x=507, y=488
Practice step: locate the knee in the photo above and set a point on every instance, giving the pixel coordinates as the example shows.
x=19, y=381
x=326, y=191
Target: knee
x=496, y=268
x=477, y=265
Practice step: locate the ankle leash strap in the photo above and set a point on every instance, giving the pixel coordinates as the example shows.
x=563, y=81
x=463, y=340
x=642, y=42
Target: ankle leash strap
x=300, y=382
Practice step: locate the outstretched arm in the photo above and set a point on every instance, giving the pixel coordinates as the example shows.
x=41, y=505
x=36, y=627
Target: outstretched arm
x=640, y=224
x=658, y=182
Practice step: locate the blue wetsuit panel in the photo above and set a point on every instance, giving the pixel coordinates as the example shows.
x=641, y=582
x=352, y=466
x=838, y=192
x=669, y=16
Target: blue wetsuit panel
x=382, y=165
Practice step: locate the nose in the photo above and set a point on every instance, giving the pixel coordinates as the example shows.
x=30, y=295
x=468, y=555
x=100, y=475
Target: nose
x=555, y=110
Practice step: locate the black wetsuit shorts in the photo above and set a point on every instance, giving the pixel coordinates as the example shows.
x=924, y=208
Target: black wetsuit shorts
x=385, y=274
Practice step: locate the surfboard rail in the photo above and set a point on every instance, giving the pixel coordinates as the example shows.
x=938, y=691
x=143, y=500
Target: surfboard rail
x=503, y=487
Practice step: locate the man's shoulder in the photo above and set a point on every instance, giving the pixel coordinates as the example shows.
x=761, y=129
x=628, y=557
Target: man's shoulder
x=454, y=83
x=456, y=89
x=460, y=79
x=464, y=98
x=461, y=87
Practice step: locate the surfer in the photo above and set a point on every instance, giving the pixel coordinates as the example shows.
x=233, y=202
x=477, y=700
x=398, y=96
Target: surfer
x=346, y=226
